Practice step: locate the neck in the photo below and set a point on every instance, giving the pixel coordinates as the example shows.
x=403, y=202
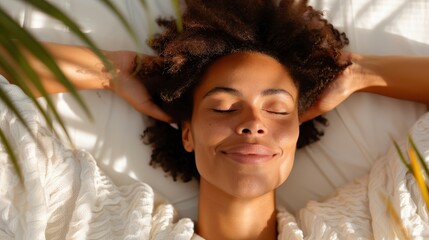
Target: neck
x=222, y=216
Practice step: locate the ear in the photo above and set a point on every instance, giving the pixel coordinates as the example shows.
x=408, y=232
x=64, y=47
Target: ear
x=187, y=140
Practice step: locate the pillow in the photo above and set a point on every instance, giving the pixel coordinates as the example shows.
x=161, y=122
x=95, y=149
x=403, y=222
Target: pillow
x=359, y=130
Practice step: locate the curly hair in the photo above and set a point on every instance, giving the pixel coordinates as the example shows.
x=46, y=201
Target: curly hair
x=290, y=31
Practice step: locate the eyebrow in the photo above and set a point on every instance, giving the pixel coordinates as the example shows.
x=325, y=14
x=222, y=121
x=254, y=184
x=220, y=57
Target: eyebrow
x=235, y=92
x=274, y=91
x=228, y=90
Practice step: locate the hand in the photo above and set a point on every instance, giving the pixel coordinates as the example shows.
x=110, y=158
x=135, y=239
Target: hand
x=130, y=88
x=343, y=86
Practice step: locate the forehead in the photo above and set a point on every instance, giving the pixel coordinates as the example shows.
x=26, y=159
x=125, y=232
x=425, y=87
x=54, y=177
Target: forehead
x=247, y=71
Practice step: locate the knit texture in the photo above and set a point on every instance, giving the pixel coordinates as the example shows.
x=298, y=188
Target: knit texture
x=65, y=195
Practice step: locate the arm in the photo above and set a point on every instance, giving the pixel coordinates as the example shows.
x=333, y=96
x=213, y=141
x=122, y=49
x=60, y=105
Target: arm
x=79, y=64
x=86, y=71
x=394, y=76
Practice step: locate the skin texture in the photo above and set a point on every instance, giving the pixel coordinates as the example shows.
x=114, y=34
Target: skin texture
x=244, y=130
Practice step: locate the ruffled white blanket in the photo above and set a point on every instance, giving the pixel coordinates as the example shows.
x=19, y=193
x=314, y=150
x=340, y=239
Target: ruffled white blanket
x=66, y=196
x=359, y=211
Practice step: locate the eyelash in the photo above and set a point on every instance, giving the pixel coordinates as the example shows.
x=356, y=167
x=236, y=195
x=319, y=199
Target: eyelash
x=233, y=110
x=224, y=111
x=279, y=113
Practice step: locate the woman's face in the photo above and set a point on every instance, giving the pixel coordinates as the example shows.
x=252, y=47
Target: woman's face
x=244, y=125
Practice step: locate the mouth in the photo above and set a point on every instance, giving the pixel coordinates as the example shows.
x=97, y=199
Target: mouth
x=249, y=153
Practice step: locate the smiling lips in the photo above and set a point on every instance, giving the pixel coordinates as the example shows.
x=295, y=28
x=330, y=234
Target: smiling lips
x=249, y=153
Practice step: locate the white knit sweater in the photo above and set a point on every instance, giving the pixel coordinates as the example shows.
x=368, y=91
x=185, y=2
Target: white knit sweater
x=66, y=196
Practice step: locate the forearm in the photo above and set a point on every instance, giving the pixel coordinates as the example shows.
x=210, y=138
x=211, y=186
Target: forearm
x=82, y=67
x=395, y=76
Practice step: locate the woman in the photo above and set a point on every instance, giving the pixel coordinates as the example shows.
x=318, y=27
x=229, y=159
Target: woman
x=250, y=80
x=248, y=103
x=247, y=86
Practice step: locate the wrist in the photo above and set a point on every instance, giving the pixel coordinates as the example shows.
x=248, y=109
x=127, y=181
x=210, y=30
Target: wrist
x=123, y=63
x=110, y=72
x=364, y=71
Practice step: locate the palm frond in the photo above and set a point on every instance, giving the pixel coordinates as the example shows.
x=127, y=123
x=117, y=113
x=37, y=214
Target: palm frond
x=418, y=155
x=417, y=166
x=16, y=39
x=52, y=11
x=418, y=174
x=12, y=156
x=179, y=23
x=6, y=99
x=398, y=227
x=401, y=156
x=16, y=54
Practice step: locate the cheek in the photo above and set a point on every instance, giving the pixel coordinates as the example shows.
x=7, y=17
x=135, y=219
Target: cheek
x=286, y=134
x=208, y=133
x=207, y=122
x=287, y=139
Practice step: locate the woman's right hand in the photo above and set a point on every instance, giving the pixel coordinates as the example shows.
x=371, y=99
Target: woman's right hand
x=339, y=90
x=126, y=85
x=86, y=71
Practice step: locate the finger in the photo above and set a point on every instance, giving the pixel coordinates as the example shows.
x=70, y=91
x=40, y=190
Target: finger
x=309, y=115
x=151, y=109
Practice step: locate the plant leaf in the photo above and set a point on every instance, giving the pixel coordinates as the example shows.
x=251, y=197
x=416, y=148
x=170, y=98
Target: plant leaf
x=419, y=156
x=178, y=15
x=401, y=156
x=57, y=14
x=12, y=155
x=397, y=223
x=16, y=54
x=417, y=172
x=34, y=47
x=13, y=74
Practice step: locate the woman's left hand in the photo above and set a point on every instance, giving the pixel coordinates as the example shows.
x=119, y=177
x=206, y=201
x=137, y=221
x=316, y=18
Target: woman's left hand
x=338, y=91
x=402, y=77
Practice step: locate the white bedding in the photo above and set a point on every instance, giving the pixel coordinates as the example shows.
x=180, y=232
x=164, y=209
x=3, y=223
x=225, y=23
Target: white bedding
x=359, y=131
x=65, y=195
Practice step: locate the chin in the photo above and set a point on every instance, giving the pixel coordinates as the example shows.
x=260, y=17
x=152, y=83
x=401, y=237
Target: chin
x=250, y=188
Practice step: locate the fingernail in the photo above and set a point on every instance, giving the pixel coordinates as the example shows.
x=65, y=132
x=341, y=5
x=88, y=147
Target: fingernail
x=174, y=125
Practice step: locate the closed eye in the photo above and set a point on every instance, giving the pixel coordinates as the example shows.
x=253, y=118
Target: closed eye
x=224, y=110
x=279, y=113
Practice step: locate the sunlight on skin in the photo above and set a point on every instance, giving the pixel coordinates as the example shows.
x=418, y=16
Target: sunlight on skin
x=243, y=130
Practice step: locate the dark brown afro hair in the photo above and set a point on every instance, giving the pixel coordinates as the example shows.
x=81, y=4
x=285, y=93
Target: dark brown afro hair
x=290, y=31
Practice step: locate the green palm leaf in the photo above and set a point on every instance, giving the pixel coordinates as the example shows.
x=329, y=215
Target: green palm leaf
x=419, y=156
x=15, y=35
x=179, y=23
x=50, y=10
x=14, y=40
x=37, y=50
x=11, y=154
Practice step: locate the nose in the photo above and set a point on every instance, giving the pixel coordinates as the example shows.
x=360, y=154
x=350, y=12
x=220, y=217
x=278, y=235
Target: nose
x=251, y=124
